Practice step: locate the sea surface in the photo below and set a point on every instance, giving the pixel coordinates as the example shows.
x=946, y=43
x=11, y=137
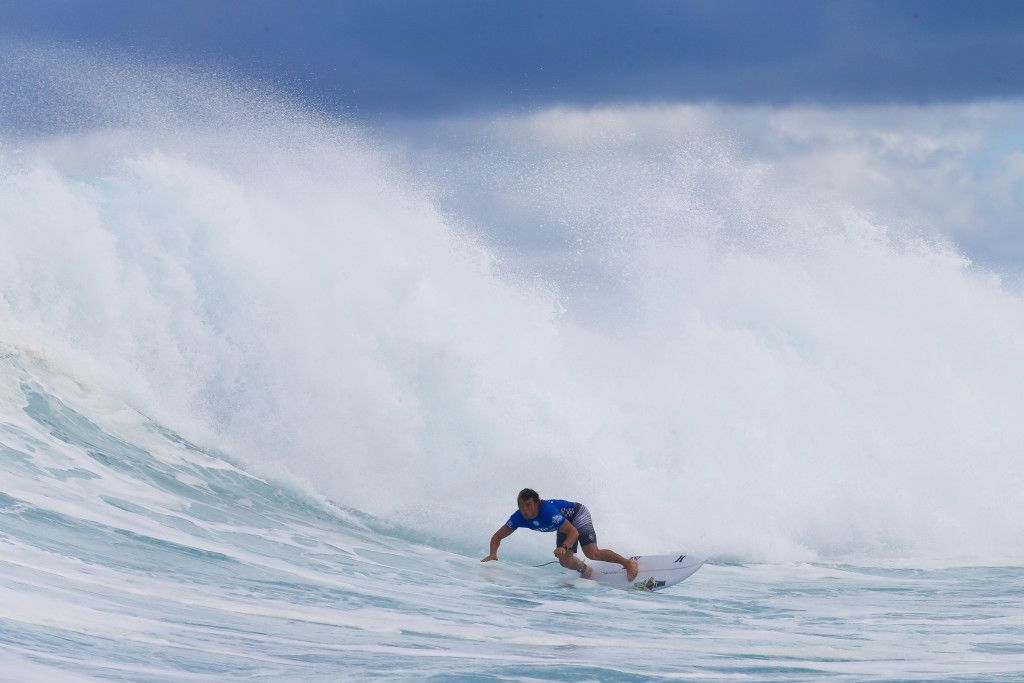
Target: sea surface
x=130, y=554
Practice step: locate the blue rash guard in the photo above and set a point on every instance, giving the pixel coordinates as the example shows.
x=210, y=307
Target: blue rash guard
x=550, y=515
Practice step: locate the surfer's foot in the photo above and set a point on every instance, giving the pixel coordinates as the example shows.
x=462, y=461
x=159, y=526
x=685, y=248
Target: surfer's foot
x=631, y=570
x=586, y=571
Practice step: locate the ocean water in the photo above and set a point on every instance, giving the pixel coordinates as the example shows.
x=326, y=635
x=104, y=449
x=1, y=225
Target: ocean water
x=131, y=554
x=269, y=381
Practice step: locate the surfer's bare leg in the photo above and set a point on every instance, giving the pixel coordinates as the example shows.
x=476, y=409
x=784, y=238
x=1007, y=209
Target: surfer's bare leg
x=570, y=561
x=594, y=553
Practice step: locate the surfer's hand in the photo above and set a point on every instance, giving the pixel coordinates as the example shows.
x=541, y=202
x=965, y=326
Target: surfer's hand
x=489, y=558
x=559, y=551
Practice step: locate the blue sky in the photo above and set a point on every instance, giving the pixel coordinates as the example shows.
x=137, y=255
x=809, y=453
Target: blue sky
x=383, y=58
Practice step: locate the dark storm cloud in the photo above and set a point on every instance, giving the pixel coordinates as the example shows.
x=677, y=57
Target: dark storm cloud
x=411, y=58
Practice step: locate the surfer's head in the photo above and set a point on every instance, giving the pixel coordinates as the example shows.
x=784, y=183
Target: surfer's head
x=529, y=503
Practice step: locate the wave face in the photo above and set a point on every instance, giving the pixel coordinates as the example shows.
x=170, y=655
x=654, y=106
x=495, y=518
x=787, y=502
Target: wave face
x=706, y=355
x=131, y=554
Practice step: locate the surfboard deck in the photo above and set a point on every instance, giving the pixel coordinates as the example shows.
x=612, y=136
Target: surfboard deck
x=656, y=571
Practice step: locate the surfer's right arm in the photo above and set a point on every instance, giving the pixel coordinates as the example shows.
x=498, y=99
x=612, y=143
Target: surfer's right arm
x=496, y=541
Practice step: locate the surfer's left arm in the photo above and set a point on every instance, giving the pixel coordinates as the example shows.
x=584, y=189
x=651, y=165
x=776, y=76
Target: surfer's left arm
x=571, y=534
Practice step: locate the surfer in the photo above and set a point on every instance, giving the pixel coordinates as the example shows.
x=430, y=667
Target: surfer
x=573, y=524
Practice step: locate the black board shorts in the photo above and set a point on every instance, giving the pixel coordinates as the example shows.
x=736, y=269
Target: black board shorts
x=580, y=518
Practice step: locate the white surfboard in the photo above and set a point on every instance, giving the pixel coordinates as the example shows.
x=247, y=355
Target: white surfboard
x=656, y=571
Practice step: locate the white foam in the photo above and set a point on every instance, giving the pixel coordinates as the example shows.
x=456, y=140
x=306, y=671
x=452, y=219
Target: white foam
x=725, y=364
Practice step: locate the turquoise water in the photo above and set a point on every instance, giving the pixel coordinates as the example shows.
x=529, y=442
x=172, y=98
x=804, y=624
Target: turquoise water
x=129, y=554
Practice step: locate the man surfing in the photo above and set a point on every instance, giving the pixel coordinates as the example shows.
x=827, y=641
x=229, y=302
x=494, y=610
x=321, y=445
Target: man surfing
x=573, y=524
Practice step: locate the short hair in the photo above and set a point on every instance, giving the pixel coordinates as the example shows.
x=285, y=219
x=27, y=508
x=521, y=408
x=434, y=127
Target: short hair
x=527, y=494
